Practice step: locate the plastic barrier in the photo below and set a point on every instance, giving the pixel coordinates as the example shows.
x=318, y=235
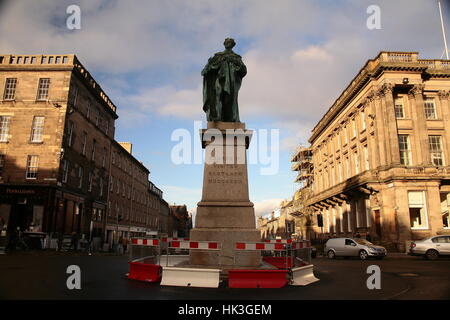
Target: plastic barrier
x=257, y=278
x=279, y=262
x=173, y=260
x=279, y=241
x=303, y=276
x=144, y=272
x=260, y=278
x=190, y=277
x=168, y=239
x=144, y=260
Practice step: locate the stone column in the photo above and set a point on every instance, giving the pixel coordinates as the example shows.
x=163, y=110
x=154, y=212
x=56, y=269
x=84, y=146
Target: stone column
x=374, y=154
x=382, y=143
x=225, y=213
x=443, y=99
x=391, y=123
x=420, y=125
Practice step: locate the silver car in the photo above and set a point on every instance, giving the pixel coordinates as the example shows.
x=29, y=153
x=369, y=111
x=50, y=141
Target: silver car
x=353, y=247
x=431, y=248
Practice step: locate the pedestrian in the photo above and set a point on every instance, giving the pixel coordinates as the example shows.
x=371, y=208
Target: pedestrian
x=357, y=235
x=368, y=237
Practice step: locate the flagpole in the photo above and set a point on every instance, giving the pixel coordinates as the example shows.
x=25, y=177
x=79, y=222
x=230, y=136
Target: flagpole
x=443, y=30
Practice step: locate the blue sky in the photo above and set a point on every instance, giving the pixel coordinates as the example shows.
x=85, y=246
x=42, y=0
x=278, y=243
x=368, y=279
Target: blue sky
x=147, y=55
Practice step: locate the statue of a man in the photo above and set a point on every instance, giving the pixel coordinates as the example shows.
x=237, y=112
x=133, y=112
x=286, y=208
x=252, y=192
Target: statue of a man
x=222, y=77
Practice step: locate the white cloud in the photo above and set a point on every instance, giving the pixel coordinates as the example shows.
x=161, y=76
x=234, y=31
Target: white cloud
x=266, y=206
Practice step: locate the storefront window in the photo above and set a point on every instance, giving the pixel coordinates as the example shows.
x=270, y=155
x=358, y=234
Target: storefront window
x=417, y=210
x=38, y=213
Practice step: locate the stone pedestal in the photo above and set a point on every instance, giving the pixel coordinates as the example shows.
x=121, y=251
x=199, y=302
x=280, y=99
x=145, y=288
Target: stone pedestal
x=225, y=212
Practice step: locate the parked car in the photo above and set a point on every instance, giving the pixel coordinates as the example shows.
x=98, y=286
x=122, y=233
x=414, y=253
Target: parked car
x=431, y=248
x=353, y=247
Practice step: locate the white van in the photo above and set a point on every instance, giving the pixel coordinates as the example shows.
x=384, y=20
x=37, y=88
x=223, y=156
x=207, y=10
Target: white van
x=353, y=247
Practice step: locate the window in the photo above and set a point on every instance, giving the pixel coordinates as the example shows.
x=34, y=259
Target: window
x=4, y=128
x=354, y=128
x=88, y=110
x=90, y=181
x=65, y=170
x=349, y=242
x=345, y=136
x=10, y=89
x=437, y=157
x=363, y=120
x=97, y=118
x=104, y=157
x=107, y=127
x=80, y=177
x=417, y=210
x=94, y=143
x=366, y=158
x=445, y=208
x=2, y=164
x=44, y=84
x=347, y=166
x=446, y=220
x=83, y=143
x=101, y=186
x=111, y=184
x=37, y=129
x=340, y=171
x=441, y=239
x=405, y=149
x=356, y=162
x=32, y=167
x=70, y=134
x=75, y=96
x=399, y=109
x=368, y=213
x=430, y=108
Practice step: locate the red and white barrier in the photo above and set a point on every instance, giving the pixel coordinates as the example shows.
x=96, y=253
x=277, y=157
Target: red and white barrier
x=300, y=244
x=203, y=245
x=145, y=242
x=168, y=239
x=279, y=241
x=252, y=246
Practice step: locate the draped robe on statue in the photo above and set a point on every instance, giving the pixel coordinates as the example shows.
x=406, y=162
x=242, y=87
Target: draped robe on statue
x=222, y=78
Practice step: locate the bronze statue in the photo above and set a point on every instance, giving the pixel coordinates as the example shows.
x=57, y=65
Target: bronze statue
x=222, y=78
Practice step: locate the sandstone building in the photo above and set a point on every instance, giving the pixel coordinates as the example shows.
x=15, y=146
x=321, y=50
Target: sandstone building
x=380, y=160
x=61, y=171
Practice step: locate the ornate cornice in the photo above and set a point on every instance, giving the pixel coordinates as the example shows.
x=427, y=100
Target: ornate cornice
x=417, y=89
x=386, y=88
x=444, y=94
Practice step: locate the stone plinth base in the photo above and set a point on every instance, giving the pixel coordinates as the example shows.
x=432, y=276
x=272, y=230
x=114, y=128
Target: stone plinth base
x=227, y=256
x=225, y=213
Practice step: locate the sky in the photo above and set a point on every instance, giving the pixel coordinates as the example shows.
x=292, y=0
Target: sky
x=148, y=55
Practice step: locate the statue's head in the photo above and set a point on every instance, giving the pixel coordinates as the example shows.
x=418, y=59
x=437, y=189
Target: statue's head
x=229, y=43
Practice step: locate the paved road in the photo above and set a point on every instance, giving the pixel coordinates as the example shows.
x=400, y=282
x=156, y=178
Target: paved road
x=43, y=276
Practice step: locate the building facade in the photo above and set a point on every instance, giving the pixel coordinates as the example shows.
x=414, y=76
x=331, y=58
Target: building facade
x=279, y=224
x=58, y=156
x=180, y=221
x=381, y=153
